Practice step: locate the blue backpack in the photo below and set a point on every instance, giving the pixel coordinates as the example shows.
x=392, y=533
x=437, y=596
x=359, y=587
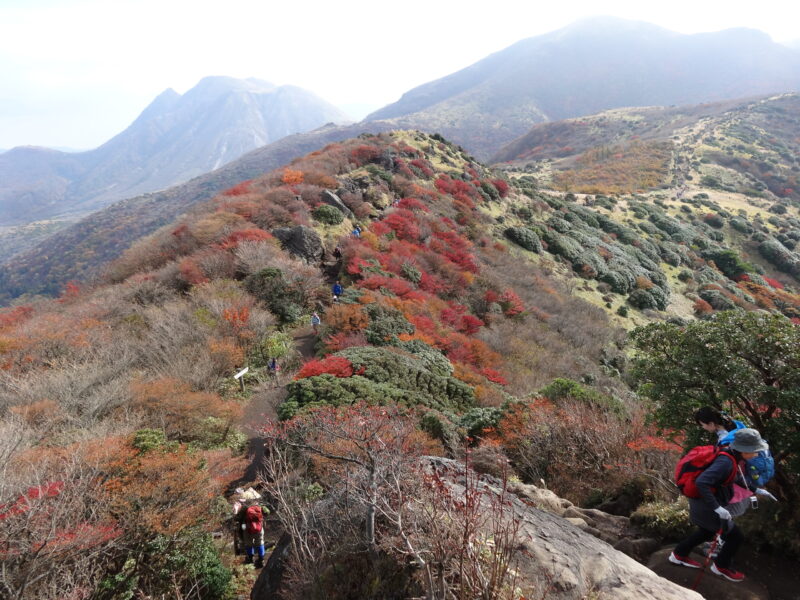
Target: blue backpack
x=761, y=469
x=758, y=470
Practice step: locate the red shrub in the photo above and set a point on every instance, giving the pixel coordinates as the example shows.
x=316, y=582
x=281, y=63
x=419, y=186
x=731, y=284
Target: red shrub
x=774, y=283
x=413, y=204
x=470, y=324
x=501, y=186
x=511, y=303
x=364, y=154
x=239, y=189
x=338, y=366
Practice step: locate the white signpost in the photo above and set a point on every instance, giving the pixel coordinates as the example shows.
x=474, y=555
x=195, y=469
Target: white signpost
x=240, y=376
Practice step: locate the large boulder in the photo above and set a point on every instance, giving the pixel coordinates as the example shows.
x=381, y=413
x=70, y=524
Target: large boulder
x=331, y=199
x=576, y=564
x=301, y=241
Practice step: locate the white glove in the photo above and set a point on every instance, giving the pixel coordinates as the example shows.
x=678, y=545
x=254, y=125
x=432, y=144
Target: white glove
x=765, y=492
x=723, y=513
x=244, y=526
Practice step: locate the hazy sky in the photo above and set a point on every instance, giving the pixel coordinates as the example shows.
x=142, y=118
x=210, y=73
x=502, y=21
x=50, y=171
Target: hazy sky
x=76, y=72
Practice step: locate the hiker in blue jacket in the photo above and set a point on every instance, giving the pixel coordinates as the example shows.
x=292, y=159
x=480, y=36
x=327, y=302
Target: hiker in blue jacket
x=709, y=512
x=337, y=290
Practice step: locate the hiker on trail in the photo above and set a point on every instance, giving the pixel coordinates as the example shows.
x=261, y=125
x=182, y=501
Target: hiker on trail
x=273, y=366
x=315, y=322
x=709, y=512
x=758, y=471
x=337, y=253
x=337, y=290
x=251, y=522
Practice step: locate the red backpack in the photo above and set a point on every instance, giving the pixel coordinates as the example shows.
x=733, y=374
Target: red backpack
x=695, y=462
x=252, y=519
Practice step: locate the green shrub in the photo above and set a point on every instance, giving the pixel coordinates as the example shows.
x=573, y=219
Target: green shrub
x=479, y=418
x=145, y=440
x=330, y=215
x=562, y=388
x=410, y=272
x=385, y=324
x=667, y=521
x=654, y=299
x=525, y=237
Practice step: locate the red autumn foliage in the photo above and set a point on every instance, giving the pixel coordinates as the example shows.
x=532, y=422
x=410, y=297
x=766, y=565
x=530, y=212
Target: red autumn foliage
x=511, y=303
x=365, y=154
x=494, y=376
x=413, y=204
x=423, y=165
x=501, y=186
x=774, y=283
x=470, y=325
x=338, y=366
x=404, y=224
x=191, y=273
x=15, y=316
x=251, y=234
x=239, y=189
x=701, y=307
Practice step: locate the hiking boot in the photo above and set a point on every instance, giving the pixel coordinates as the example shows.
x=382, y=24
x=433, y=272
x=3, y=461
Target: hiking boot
x=684, y=560
x=248, y=559
x=729, y=574
x=259, y=564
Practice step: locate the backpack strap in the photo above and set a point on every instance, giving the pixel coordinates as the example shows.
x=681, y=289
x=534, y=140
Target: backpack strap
x=732, y=477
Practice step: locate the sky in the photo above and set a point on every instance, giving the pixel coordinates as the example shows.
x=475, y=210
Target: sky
x=74, y=73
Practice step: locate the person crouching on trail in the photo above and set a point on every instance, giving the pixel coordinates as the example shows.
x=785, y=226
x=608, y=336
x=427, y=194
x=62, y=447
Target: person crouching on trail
x=708, y=512
x=251, y=522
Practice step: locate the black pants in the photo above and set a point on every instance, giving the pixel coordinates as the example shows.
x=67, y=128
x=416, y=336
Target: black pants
x=733, y=539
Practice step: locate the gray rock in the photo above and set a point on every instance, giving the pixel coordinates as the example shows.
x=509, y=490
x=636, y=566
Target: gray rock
x=301, y=241
x=575, y=564
x=331, y=199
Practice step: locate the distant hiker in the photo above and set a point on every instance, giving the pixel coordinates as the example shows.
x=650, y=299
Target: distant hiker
x=251, y=522
x=337, y=290
x=315, y=322
x=337, y=253
x=356, y=231
x=273, y=367
x=709, y=513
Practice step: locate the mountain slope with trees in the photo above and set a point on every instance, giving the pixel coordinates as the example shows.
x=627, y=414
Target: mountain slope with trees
x=177, y=137
x=468, y=327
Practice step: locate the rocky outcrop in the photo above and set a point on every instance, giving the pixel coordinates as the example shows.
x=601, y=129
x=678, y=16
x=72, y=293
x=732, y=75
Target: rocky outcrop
x=301, y=241
x=566, y=545
x=331, y=199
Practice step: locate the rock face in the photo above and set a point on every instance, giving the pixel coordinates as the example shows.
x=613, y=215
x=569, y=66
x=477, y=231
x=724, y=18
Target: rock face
x=564, y=557
x=712, y=587
x=301, y=241
x=331, y=199
x=567, y=551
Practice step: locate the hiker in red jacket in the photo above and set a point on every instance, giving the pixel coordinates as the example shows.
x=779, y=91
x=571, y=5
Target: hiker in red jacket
x=251, y=522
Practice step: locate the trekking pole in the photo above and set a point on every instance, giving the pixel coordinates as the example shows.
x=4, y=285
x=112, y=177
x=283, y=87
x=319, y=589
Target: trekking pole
x=709, y=556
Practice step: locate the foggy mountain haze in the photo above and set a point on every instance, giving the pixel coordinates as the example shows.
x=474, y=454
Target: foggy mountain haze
x=76, y=72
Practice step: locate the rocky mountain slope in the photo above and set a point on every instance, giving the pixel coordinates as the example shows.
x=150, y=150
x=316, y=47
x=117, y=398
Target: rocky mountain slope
x=177, y=137
x=589, y=66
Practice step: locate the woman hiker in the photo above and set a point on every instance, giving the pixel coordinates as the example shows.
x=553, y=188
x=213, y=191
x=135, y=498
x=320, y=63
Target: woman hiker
x=709, y=513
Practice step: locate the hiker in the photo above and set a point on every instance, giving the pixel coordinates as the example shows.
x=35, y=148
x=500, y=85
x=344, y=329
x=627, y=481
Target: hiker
x=337, y=253
x=315, y=322
x=251, y=523
x=273, y=367
x=709, y=512
x=718, y=423
x=757, y=472
x=337, y=290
